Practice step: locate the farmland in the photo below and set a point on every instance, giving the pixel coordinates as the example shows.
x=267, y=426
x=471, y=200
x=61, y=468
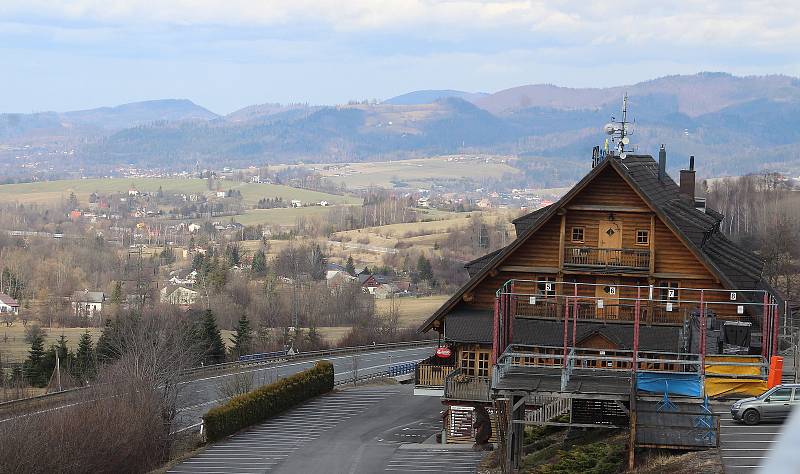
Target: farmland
x=53, y=192
x=416, y=173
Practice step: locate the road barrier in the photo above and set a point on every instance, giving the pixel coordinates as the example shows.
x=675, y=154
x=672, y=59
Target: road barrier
x=51, y=400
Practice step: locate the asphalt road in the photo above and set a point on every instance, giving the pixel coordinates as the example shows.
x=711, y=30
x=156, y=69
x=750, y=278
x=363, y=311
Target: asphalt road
x=198, y=396
x=744, y=448
x=364, y=430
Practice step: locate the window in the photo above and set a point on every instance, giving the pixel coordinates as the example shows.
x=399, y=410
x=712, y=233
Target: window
x=642, y=237
x=468, y=362
x=475, y=363
x=577, y=234
x=781, y=395
x=668, y=291
x=546, y=286
x=483, y=364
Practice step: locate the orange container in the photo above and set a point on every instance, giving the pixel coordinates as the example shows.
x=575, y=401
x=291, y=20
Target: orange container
x=775, y=371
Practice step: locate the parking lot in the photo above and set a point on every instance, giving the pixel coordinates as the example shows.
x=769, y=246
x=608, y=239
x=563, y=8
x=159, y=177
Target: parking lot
x=744, y=448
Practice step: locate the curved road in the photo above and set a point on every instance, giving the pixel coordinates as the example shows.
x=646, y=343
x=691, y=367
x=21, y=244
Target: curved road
x=200, y=395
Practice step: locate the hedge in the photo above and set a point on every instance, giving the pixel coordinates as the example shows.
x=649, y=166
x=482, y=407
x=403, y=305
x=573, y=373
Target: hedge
x=267, y=401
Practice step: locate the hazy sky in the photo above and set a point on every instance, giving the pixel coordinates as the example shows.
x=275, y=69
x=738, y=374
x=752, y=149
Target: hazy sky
x=225, y=54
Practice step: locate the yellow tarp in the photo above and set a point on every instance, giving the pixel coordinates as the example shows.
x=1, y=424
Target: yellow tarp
x=730, y=386
x=718, y=387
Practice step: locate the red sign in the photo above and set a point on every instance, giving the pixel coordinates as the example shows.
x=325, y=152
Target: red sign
x=443, y=352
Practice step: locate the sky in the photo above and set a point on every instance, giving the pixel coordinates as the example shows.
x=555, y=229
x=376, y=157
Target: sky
x=226, y=54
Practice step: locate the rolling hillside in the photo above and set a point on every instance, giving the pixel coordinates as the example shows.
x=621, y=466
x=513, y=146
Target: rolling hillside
x=732, y=124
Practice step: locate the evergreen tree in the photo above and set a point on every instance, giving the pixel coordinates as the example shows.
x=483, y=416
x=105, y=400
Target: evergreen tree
x=242, y=338
x=116, y=294
x=232, y=254
x=313, y=337
x=12, y=284
x=317, y=261
x=350, y=267
x=84, y=367
x=198, y=262
x=104, y=350
x=168, y=255
x=424, y=269
x=33, y=366
x=210, y=339
x=259, y=265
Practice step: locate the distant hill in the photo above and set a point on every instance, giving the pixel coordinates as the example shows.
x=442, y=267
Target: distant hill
x=732, y=124
x=694, y=95
x=101, y=120
x=430, y=96
x=139, y=113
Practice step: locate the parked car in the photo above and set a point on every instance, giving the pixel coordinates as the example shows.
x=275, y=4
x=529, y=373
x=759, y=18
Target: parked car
x=774, y=404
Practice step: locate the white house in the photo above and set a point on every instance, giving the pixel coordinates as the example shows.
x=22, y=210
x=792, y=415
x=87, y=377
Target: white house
x=8, y=304
x=178, y=295
x=88, y=303
x=183, y=277
x=297, y=203
x=193, y=228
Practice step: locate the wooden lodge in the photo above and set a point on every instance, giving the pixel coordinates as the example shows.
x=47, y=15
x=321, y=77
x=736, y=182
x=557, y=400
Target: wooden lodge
x=607, y=280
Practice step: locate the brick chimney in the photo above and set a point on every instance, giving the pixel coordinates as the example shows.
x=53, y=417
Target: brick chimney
x=687, y=179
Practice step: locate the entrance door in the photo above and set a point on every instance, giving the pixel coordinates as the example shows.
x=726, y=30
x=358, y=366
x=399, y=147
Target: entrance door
x=609, y=239
x=607, y=290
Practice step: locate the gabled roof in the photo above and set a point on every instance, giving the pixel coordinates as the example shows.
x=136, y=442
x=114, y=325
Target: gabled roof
x=8, y=301
x=88, y=296
x=699, y=231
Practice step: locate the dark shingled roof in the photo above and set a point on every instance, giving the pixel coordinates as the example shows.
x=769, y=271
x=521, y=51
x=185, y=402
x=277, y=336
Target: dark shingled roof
x=480, y=262
x=475, y=326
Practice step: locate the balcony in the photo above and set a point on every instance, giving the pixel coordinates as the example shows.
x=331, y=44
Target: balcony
x=429, y=377
x=555, y=308
x=607, y=259
x=461, y=386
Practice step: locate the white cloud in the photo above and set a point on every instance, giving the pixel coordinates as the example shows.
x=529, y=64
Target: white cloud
x=754, y=23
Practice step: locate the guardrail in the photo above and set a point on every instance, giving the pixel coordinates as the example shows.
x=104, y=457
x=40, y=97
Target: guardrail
x=42, y=401
x=393, y=371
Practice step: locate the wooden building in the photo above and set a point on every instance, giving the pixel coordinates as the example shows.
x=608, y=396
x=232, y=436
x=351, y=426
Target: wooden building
x=625, y=228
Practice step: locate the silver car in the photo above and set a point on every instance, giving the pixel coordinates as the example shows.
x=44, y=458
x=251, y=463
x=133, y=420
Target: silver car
x=774, y=404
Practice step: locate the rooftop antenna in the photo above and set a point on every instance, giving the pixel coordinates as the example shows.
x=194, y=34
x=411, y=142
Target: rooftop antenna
x=619, y=132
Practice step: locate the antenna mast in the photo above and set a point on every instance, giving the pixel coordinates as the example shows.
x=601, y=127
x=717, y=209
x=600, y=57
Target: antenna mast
x=619, y=133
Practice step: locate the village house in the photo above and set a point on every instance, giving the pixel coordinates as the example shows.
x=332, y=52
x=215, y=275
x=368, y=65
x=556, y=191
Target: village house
x=87, y=303
x=178, y=295
x=185, y=277
x=368, y=282
x=8, y=304
x=599, y=291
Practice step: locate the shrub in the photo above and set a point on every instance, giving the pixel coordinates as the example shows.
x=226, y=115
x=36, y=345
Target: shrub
x=268, y=401
x=595, y=458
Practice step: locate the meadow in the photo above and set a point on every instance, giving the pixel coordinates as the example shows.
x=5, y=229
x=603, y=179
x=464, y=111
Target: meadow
x=54, y=192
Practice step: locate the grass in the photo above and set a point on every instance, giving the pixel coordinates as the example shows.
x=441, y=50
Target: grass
x=413, y=311
x=416, y=173
x=14, y=348
x=52, y=192
x=281, y=216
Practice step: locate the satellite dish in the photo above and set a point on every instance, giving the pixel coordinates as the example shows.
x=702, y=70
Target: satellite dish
x=623, y=156
x=609, y=128
x=625, y=140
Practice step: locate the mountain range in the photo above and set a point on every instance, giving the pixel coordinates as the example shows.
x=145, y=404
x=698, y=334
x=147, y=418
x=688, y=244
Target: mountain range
x=733, y=124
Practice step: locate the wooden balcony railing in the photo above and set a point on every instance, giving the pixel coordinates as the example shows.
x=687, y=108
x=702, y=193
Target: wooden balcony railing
x=431, y=376
x=551, y=308
x=461, y=386
x=635, y=259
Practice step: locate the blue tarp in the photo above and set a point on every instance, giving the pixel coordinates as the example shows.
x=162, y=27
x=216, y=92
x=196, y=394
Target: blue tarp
x=688, y=385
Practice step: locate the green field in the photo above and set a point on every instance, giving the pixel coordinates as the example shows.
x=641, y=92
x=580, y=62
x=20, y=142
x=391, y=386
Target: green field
x=52, y=192
x=281, y=216
x=416, y=173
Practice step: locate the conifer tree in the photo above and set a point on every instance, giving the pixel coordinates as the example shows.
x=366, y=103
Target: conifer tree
x=259, y=265
x=210, y=339
x=85, y=358
x=242, y=338
x=350, y=266
x=33, y=364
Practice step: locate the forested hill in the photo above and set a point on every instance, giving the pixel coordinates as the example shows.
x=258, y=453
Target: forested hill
x=735, y=124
